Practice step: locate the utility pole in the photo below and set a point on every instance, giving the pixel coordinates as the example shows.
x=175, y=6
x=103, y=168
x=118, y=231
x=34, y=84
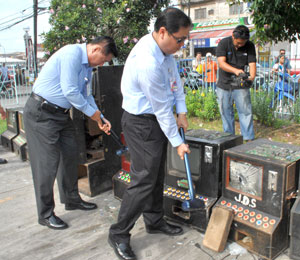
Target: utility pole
x=35, y=8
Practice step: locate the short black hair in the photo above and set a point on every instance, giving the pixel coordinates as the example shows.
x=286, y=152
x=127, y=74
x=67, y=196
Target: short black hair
x=241, y=32
x=172, y=19
x=109, y=44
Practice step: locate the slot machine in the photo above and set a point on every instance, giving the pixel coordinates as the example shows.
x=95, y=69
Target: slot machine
x=206, y=169
x=294, y=251
x=12, y=128
x=98, y=161
x=122, y=178
x=20, y=142
x=260, y=180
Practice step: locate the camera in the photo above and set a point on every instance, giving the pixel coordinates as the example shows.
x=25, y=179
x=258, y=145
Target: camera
x=241, y=81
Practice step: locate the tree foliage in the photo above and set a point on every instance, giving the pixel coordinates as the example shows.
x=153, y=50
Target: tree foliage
x=77, y=21
x=274, y=20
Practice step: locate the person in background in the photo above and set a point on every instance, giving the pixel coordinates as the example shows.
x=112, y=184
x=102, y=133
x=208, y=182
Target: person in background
x=198, y=63
x=3, y=116
x=234, y=53
x=210, y=69
x=149, y=94
x=279, y=66
x=287, y=66
x=4, y=72
x=50, y=133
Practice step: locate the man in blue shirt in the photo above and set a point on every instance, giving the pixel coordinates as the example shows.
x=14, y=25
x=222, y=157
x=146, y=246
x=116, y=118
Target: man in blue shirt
x=151, y=87
x=50, y=132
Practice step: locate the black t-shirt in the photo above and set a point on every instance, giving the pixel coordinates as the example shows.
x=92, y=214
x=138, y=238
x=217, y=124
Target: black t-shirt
x=236, y=58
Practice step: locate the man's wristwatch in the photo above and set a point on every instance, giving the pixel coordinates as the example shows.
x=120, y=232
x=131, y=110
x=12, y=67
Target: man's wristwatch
x=182, y=113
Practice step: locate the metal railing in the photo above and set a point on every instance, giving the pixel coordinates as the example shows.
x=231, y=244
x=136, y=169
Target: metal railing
x=283, y=87
x=15, y=87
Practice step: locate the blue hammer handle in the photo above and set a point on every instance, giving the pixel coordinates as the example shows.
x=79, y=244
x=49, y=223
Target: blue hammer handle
x=187, y=168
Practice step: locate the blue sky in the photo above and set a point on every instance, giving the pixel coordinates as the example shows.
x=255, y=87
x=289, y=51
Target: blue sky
x=12, y=40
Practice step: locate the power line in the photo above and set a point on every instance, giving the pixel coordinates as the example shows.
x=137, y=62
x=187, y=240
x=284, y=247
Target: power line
x=22, y=17
x=40, y=12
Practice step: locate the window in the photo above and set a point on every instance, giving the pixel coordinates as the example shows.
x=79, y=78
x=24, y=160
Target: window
x=236, y=9
x=200, y=13
x=211, y=12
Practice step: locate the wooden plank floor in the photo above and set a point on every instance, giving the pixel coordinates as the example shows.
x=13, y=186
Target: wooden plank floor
x=22, y=238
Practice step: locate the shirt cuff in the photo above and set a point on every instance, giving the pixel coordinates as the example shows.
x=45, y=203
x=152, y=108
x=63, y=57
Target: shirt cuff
x=176, y=141
x=89, y=111
x=181, y=107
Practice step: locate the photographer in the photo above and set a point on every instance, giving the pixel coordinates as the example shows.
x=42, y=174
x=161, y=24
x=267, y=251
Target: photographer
x=234, y=53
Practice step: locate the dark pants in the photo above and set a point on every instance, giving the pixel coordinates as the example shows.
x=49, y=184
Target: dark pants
x=53, y=153
x=147, y=147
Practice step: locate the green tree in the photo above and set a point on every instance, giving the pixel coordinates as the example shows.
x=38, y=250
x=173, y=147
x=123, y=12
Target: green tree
x=77, y=21
x=275, y=20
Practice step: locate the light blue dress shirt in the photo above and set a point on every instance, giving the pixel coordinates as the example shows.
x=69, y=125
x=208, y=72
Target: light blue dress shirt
x=64, y=79
x=151, y=85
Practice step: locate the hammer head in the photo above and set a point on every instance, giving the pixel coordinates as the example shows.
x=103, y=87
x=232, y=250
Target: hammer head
x=122, y=151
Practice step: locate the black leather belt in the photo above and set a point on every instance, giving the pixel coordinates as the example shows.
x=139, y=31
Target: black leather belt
x=150, y=116
x=49, y=106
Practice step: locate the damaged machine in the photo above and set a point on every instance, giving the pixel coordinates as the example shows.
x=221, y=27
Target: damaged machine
x=260, y=181
x=12, y=128
x=122, y=178
x=20, y=142
x=98, y=160
x=205, y=162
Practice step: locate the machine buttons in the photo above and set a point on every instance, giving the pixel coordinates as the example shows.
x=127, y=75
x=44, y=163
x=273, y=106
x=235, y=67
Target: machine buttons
x=240, y=209
x=265, y=225
x=223, y=202
x=252, y=214
x=258, y=222
x=228, y=204
x=246, y=217
x=272, y=221
x=258, y=216
x=252, y=220
x=266, y=219
x=246, y=211
x=240, y=215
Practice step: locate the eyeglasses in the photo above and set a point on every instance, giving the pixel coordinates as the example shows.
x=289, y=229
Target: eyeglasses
x=179, y=39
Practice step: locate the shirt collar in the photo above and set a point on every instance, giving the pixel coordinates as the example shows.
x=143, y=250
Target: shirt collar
x=158, y=54
x=84, y=54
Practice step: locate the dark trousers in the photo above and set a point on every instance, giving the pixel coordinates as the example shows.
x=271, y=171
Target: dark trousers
x=53, y=153
x=147, y=147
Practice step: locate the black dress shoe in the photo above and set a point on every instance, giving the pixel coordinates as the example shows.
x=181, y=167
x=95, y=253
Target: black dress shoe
x=122, y=250
x=83, y=205
x=53, y=222
x=3, y=161
x=165, y=228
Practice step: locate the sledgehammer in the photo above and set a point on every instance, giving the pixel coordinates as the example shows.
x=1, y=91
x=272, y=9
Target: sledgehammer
x=124, y=149
x=192, y=203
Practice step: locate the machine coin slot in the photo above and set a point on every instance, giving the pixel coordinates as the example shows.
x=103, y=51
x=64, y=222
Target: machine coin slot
x=272, y=181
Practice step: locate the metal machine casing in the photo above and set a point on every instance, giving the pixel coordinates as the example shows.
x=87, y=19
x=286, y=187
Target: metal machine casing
x=259, y=182
x=98, y=161
x=205, y=159
x=20, y=142
x=12, y=128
